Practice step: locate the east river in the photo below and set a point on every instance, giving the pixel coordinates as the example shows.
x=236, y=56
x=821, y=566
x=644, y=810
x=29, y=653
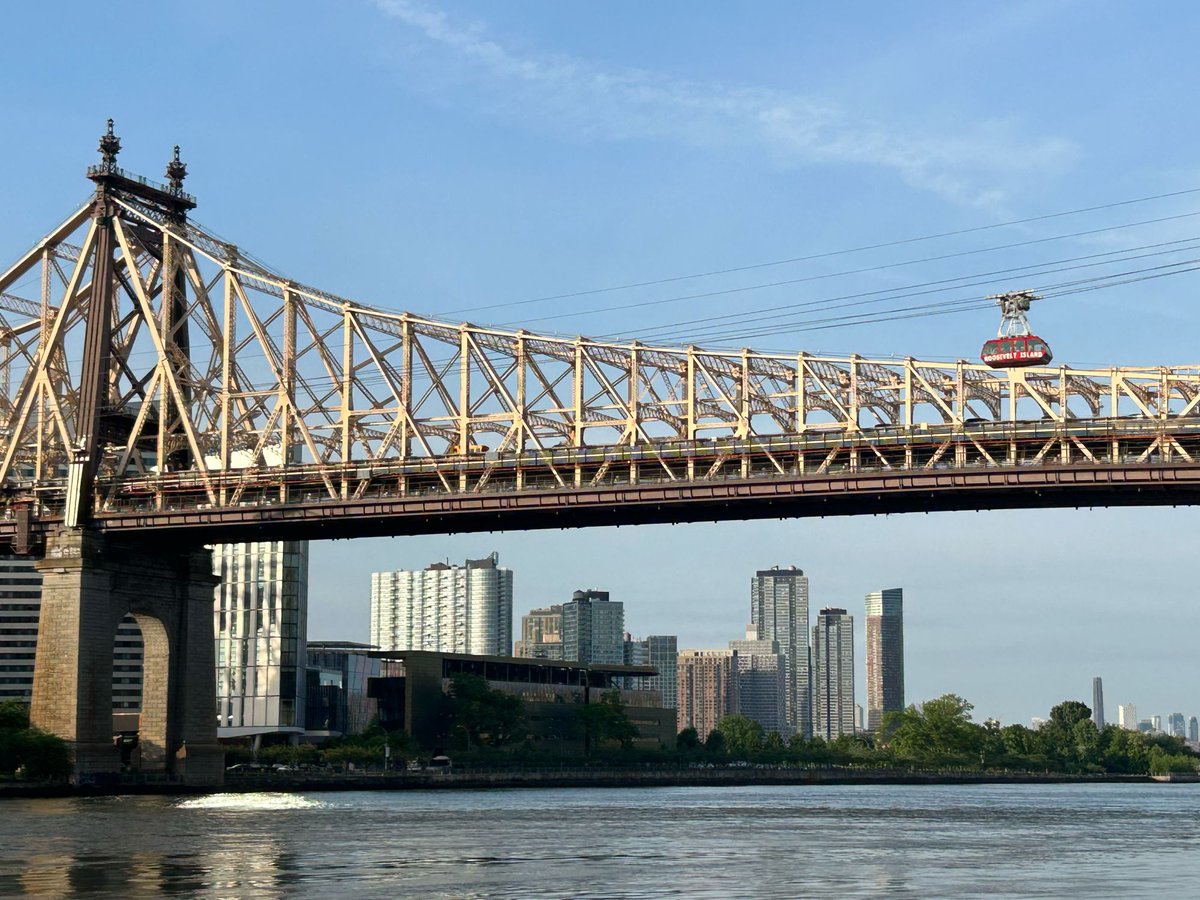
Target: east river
x=953, y=841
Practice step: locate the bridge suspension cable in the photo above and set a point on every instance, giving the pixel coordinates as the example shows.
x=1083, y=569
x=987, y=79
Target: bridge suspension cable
x=663, y=331
x=825, y=276
x=828, y=254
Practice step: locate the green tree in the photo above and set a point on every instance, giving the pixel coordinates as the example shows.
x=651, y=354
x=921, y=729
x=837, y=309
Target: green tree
x=14, y=716
x=1163, y=762
x=743, y=736
x=486, y=716
x=605, y=721
x=773, y=742
x=688, y=739
x=46, y=755
x=715, y=742
x=359, y=754
x=1069, y=713
x=939, y=730
x=10, y=752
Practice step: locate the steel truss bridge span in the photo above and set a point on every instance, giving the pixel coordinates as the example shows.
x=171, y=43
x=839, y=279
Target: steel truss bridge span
x=155, y=379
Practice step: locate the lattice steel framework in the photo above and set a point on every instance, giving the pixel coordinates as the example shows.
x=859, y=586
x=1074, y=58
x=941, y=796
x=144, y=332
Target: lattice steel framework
x=146, y=364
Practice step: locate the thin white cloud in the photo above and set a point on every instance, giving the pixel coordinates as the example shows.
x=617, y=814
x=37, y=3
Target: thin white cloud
x=573, y=96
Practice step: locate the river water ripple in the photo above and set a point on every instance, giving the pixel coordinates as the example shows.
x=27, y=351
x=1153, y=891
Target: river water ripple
x=1103, y=840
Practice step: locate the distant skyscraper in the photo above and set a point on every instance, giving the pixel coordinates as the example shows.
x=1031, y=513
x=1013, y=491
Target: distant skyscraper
x=779, y=609
x=593, y=628
x=707, y=689
x=454, y=609
x=833, y=657
x=1193, y=729
x=885, y=655
x=1177, y=725
x=660, y=651
x=1098, y=702
x=1127, y=716
x=860, y=722
x=761, y=672
x=541, y=633
x=1155, y=724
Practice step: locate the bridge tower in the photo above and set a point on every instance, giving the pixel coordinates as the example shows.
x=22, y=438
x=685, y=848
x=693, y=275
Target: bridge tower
x=91, y=581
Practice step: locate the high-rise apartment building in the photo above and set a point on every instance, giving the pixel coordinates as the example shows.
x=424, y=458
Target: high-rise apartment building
x=779, y=609
x=1127, y=716
x=833, y=658
x=128, y=655
x=1098, y=702
x=660, y=651
x=1193, y=729
x=260, y=618
x=707, y=682
x=1155, y=724
x=541, y=633
x=761, y=672
x=20, y=610
x=593, y=628
x=885, y=655
x=452, y=609
x=1177, y=725
x=20, y=605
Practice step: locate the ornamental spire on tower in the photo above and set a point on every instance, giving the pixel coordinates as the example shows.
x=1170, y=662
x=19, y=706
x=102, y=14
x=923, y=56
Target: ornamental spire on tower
x=110, y=146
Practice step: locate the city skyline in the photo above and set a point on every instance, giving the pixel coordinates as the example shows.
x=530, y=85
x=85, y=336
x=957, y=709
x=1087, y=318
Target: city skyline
x=683, y=172
x=937, y=626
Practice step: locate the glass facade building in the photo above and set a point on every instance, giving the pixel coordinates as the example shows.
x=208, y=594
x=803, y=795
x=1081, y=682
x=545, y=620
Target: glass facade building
x=1098, y=701
x=445, y=608
x=779, y=610
x=761, y=672
x=260, y=617
x=593, y=629
x=336, y=700
x=833, y=658
x=885, y=655
x=662, y=652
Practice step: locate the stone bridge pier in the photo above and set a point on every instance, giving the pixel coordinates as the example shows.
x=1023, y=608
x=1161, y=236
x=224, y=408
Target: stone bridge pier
x=90, y=582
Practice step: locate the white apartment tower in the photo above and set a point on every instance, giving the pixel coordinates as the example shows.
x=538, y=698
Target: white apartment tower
x=452, y=609
x=1127, y=716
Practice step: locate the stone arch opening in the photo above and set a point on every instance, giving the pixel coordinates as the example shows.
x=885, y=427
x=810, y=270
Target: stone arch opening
x=153, y=725
x=91, y=582
x=127, y=690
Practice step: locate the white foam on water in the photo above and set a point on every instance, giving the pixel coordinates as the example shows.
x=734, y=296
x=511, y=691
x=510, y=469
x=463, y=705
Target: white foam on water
x=250, y=802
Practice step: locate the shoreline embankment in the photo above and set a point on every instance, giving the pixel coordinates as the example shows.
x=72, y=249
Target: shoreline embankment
x=308, y=782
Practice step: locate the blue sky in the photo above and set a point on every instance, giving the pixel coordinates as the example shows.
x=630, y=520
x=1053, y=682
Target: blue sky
x=446, y=157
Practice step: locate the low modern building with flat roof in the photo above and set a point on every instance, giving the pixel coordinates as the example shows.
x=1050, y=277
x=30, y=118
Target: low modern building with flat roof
x=413, y=688
x=338, y=674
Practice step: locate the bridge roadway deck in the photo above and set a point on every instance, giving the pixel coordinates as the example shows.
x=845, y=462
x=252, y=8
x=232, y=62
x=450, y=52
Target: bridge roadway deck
x=841, y=494
x=1098, y=462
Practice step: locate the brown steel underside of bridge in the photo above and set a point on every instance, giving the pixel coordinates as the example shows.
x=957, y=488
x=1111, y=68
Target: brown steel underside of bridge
x=700, y=501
